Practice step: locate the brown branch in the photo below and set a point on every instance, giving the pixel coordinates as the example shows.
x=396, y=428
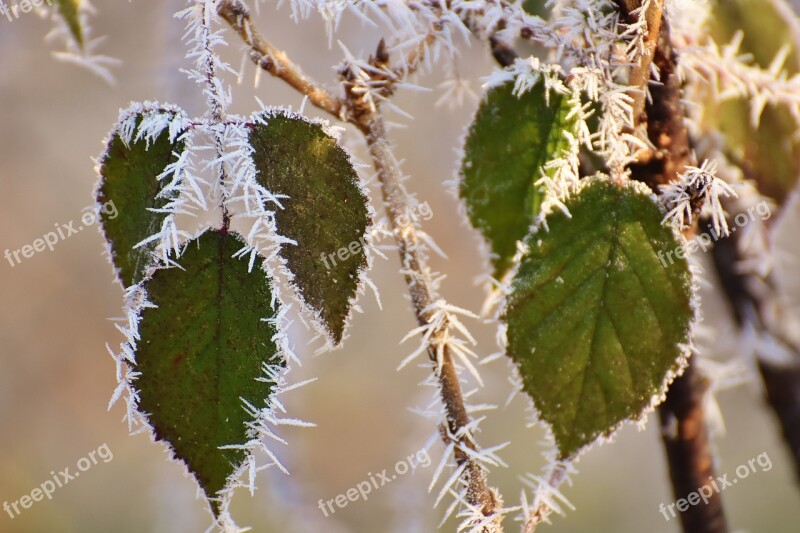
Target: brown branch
x=683, y=423
x=640, y=73
x=781, y=381
x=689, y=453
x=274, y=61
x=417, y=274
x=423, y=296
x=666, y=127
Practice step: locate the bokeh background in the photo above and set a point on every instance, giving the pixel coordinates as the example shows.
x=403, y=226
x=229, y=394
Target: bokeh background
x=56, y=376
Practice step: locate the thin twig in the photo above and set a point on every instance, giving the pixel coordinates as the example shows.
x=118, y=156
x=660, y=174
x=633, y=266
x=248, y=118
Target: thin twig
x=683, y=422
x=666, y=127
x=275, y=61
x=423, y=295
x=640, y=73
x=505, y=56
x=417, y=274
x=539, y=514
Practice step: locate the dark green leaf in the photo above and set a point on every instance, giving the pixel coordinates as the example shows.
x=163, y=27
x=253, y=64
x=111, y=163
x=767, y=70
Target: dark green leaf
x=70, y=11
x=128, y=178
x=201, y=350
x=509, y=142
x=325, y=213
x=535, y=7
x=770, y=153
x=596, y=321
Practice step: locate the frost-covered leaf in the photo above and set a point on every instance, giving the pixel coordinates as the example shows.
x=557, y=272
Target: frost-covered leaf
x=509, y=142
x=129, y=178
x=596, y=322
x=70, y=12
x=201, y=352
x=326, y=212
x=535, y=7
x=769, y=153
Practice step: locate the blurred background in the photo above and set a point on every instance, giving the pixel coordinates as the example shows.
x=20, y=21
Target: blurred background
x=56, y=376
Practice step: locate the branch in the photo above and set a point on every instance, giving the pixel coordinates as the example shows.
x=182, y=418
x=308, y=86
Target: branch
x=689, y=453
x=505, y=56
x=640, y=73
x=666, y=127
x=367, y=118
x=423, y=297
x=533, y=517
x=274, y=61
x=732, y=74
x=683, y=422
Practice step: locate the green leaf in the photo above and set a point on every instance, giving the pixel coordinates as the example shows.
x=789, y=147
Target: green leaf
x=597, y=324
x=509, y=142
x=128, y=178
x=535, y=7
x=201, y=351
x=770, y=153
x=326, y=212
x=70, y=11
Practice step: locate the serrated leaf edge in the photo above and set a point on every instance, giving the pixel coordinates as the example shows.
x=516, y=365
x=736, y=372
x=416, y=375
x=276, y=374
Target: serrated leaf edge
x=492, y=288
x=695, y=272
x=277, y=266
x=125, y=127
x=263, y=422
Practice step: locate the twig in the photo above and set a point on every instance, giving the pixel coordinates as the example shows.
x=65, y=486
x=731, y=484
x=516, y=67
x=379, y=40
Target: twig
x=539, y=514
x=689, y=454
x=423, y=296
x=417, y=274
x=504, y=55
x=640, y=73
x=273, y=60
x=683, y=423
x=666, y=127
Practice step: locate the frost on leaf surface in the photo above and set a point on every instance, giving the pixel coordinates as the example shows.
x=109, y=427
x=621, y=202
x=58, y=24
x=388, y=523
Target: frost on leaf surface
x=508, y=144
x=129, y=176
x=535, y=7
x=202, y=349
x=771, y=148
x=596, y=323
x=324, y=212
x=70, y=12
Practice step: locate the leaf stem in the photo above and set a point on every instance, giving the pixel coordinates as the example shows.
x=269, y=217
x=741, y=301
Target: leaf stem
x=539, y=514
